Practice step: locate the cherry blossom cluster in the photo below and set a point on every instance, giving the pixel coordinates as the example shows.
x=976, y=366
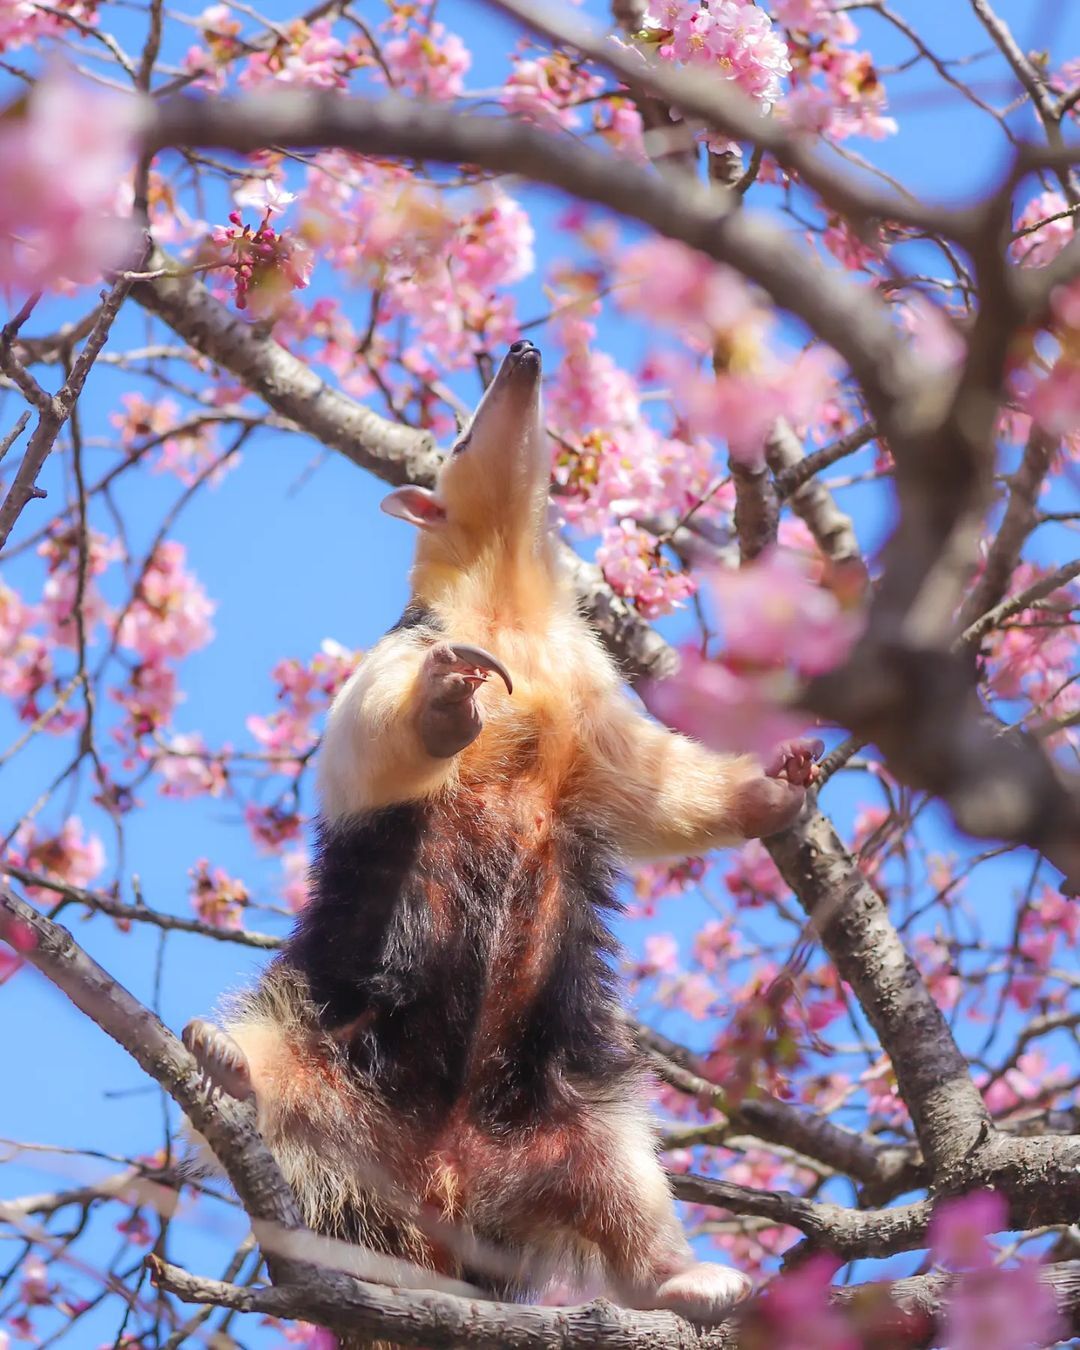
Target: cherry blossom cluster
x=1047, y=384
x=187, y=453
x=63, y=158
x=69, y=855
x=26, y=665
x=217, y=898
x=779, y=627
x=733, y=39
x=989, y=1303
x=1033, y=658
x=23, y=22
x=549, y=89
x=265, y=265
x=835, y=91
x=438, y=262
x=304, y=693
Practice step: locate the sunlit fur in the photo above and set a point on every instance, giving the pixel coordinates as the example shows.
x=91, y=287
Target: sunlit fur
x=516, y=838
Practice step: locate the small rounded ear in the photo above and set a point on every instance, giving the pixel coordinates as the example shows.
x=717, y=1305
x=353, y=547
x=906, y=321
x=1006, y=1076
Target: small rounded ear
x=417, y=505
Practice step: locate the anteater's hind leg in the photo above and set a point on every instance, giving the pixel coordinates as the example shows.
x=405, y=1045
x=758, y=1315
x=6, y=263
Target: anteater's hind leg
x=616, y=1196
x=223, y=1063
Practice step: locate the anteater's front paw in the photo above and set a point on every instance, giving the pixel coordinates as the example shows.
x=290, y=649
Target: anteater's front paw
x=222, y=1061
x=704, y=1292
x=449, y=719
x=794, y=762
x=771, y=803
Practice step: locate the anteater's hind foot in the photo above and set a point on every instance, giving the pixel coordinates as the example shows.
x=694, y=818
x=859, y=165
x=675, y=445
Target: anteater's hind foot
x=222, y=1061
x=703, y=1292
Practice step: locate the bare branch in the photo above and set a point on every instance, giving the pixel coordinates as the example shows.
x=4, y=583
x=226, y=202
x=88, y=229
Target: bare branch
x=125, y=913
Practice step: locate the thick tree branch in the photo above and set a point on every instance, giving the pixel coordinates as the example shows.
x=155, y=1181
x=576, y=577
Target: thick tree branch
x=445, y=1321
x=395, y=453
x=848, y=1233
x=722, y=106
x=811, y=501
x=227, y=1125
x=845, y=315
x=596, y=1326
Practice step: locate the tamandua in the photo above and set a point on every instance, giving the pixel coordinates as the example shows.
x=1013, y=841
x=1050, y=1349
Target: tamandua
x=439, y=1057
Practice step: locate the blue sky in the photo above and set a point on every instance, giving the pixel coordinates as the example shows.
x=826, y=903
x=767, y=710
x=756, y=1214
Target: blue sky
x=289, y=563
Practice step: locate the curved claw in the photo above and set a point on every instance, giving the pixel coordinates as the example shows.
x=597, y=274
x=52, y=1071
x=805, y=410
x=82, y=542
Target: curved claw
x=481, y=660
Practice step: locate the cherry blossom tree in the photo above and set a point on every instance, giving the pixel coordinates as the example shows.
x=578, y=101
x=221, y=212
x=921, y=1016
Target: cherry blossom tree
x=814, y=437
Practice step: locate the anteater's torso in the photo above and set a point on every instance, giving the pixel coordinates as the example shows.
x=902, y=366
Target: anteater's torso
x=458, y=947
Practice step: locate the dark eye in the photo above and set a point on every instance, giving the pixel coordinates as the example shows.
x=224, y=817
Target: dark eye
x=461, y=446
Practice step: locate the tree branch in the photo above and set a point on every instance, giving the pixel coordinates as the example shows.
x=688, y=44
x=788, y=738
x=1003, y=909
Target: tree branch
x=845, y=315
x=439, y=1321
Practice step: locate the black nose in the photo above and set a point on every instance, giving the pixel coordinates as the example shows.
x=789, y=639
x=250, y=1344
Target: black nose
x=522, y=345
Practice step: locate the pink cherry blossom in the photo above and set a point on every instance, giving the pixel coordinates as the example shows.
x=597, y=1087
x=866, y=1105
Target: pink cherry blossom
x=722, y=708
x=10, y=964
x=546, y=90
x=1030, y=1079
x=661, y=955
x=217, y=898
x=959, y=1229
x=70, y=855
x=429, y=62
x=137, y=1229
x=883, y=1100
x=272, y=827
x=143, y=418
x=35, y=1286
x=187, y=770
x=1055, y=401
x=265, y=196
x=295, y=891
x=61, y=162
x=149, y=698
x=835, y=91
x=309, y=1337
x=619, y=123
x=678, y=286
x=26, y=663
x=938, y=968
x=264, y=263
x=753, y=878
x=170, y=618
x=654, y=882
x=735, y=40
x=1037, y=244
x=773, y=615
x=798, y=1313
x=716, y=943
x=847, y=247
x=935, y=338
x=692, y=993
x=62, y=555
x=22, y=21
x=635, y=568
x=304, y=691
x=1004, y=1310
x=312, y=57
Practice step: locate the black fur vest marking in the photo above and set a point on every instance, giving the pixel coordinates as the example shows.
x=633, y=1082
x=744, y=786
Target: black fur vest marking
x=409, y=930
